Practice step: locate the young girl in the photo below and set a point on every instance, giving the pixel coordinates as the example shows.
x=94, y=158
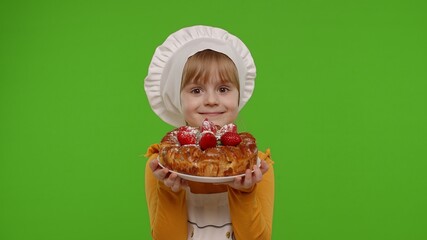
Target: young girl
x=204, y=72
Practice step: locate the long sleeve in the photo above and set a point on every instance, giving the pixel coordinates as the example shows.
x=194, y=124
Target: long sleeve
x=167, y=209
x=252, y=212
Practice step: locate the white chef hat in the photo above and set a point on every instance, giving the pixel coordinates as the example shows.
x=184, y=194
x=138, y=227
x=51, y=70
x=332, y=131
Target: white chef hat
x=163, y=82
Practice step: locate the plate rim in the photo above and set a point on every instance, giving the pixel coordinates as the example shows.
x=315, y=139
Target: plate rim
x=195, y=178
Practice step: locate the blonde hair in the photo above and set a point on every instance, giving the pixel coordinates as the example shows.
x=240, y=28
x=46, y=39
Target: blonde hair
x=206, y=64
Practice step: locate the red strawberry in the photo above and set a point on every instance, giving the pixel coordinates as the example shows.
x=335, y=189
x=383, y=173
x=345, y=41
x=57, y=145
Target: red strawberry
x=185, y=129
x=230, y=139
x=208, y=126
x=208, y=140
x=185, y=138
x=231, y=127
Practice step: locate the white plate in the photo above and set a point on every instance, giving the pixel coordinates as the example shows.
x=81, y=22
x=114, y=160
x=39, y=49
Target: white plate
x=208, y=179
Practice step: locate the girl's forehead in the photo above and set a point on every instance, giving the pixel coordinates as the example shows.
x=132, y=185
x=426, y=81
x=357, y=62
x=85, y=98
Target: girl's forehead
x=209, y=80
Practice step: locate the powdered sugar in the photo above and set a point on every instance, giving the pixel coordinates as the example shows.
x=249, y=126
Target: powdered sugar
x=186, y=133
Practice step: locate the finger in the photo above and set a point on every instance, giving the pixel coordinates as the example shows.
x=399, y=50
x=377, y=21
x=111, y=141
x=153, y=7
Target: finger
x=176, y=185
x=161, y=173
x=247, y=182
x=257, y=174
x=264, y=166
x=154, y=164
x=237, y=182
x=170, y=180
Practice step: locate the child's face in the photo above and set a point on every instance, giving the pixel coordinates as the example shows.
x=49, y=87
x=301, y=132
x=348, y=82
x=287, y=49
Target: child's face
x=214, y=100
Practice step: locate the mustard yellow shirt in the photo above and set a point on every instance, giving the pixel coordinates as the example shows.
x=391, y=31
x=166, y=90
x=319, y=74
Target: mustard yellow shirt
x=251, y=212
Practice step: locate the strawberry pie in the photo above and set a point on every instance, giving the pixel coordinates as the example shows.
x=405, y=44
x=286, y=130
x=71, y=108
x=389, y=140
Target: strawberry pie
x=209, y=150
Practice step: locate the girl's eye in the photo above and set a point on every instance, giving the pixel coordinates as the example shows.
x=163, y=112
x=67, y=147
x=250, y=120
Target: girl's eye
x=224, y=89
x=196, y=90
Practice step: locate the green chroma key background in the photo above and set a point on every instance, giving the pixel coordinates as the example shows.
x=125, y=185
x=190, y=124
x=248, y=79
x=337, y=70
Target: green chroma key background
x=340, y=99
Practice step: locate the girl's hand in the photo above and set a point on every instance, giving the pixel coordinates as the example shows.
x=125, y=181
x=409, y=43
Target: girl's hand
x=246, y=182
x=169, y=179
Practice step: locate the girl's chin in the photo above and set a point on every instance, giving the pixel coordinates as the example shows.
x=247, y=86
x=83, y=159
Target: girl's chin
x=212, y=117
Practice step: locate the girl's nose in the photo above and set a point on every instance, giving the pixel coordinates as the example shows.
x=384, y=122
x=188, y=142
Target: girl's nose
x=211, y=98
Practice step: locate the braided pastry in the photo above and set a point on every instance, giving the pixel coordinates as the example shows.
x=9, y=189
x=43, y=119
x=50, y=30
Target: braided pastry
x=209, y=151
